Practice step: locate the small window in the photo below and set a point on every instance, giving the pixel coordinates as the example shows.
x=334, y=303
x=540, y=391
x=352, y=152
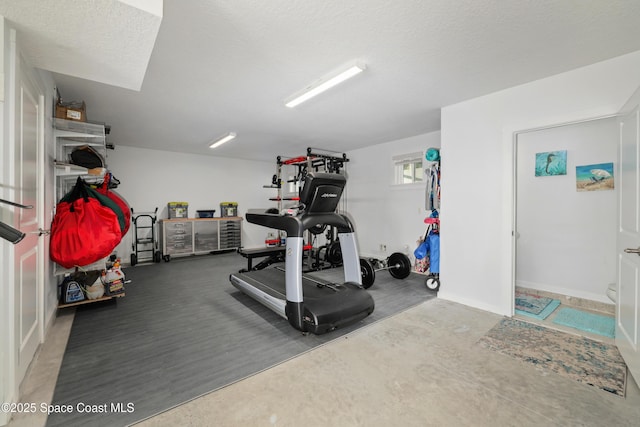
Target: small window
x=408, y=168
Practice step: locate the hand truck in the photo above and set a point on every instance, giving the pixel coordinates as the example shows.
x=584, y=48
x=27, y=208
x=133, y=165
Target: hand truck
x=144, y=238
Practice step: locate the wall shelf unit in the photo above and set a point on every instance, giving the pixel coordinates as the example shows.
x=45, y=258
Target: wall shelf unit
x=89, y=301
x=70, y=135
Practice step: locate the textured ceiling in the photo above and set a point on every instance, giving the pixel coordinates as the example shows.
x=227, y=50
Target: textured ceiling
x=106, y=41
x=227, y=65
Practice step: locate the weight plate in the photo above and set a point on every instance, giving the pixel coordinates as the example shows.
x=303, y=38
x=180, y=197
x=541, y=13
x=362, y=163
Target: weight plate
x=399, y=265
x=367, y=272
x=334, y=254
x=318, y=228
x=432, y=283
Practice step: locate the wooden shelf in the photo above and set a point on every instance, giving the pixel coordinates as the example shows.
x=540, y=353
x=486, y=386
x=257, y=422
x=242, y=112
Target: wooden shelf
x=89, y=301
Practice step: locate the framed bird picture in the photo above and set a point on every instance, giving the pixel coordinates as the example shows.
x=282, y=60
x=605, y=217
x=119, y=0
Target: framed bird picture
x=551, y=163
x=594, y=177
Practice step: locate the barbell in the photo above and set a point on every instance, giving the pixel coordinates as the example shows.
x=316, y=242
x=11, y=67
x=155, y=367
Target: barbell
x=398, y=265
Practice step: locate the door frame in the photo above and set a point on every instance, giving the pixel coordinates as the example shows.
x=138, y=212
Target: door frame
x=28, y=91
x=18, y=70
x=513, y=155
x=628, y=345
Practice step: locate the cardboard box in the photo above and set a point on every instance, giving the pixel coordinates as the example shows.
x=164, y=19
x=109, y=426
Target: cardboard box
x=71, y=111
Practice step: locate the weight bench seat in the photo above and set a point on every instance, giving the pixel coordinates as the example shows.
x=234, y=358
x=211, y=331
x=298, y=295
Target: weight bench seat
x=275, y=254
x=267, y=251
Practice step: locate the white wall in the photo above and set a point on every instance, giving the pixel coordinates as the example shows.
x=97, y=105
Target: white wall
x=152, y=178
x=560, y=230
x=477, y=166
x=384, y=213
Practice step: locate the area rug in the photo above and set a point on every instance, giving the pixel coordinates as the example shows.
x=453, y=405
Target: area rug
x=585, y=321
x=535, y=306
x=582, y=359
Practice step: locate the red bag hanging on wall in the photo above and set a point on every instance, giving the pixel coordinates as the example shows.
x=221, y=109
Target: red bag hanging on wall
x=118, y=199
x=83, y=230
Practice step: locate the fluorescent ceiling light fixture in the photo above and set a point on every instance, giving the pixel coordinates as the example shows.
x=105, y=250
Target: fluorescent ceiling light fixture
x=218, y=142
x=324, y=84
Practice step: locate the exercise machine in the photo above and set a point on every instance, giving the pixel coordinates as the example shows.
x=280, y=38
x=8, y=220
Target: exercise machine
x=310, y=304
x=288, y=179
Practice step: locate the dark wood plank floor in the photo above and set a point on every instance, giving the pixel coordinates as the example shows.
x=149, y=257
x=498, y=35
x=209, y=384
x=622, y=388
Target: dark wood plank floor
x=182, y=331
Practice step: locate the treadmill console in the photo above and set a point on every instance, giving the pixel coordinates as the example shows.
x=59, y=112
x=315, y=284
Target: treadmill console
x=321, y=192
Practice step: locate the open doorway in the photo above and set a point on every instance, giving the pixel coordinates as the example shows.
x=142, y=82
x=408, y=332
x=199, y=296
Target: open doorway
x=566, y=216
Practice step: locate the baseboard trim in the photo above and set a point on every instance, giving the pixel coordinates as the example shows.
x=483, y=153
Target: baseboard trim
x=573, y=301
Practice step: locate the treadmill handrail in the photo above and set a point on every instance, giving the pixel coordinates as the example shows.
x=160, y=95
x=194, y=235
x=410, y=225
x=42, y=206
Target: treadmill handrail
x=341, y=222
x=295, y=226
x=291, y=224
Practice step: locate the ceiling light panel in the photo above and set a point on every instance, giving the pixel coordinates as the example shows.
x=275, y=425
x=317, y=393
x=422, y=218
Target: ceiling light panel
x=223, y=139
x=324, y=84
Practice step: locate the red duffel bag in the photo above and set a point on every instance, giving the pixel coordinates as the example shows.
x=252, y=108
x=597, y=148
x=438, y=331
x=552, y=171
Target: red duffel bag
x=83, y=230
x=118, y=199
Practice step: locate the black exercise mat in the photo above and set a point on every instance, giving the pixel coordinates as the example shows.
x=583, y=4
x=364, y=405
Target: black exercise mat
x=181, y=331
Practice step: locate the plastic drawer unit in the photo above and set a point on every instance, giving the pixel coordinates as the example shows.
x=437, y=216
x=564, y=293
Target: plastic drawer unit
x=198, y=236
x=176, y=237
x=230, y=233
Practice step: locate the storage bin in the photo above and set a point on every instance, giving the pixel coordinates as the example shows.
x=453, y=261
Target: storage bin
x=205, y=213
x=228, y=209
x=178, y=209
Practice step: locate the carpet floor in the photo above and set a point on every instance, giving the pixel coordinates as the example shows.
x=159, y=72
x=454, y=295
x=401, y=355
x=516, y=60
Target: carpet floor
x=582, y=359
x=181, y=331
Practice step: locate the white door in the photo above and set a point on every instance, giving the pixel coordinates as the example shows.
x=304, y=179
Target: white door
x=628, y=243
x=28, y=253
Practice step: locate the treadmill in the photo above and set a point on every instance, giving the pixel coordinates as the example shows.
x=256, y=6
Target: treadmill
x=310, y=304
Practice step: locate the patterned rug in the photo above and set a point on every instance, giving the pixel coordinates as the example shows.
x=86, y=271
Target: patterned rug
x=582, y=359
x=584, y=321
x=535, y=306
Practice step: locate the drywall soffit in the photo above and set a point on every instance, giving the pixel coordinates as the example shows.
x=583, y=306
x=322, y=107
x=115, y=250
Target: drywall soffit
x=102, y=40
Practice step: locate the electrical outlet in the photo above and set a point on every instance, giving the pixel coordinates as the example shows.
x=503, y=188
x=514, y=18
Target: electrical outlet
x=383, y=247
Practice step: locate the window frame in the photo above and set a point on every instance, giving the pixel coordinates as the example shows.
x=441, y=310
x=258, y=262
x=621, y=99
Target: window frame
x=409, y=159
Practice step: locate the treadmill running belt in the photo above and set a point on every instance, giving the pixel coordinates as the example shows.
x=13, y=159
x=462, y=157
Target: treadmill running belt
x=326, y=305
x=272, y=281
